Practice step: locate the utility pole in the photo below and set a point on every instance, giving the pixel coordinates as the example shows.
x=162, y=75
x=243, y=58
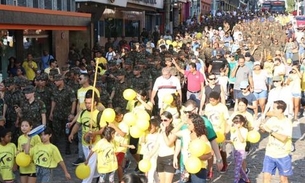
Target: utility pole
x=167, y=15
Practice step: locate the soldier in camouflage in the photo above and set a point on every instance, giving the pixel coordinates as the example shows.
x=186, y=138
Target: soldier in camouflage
x=138, y=82
x=63, y=108
x=43, y=93
x=32, y=109
x=117, y=92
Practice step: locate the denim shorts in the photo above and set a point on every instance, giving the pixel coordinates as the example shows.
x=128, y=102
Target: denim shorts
x=199, y=177
x=260, y=95
x=283, y=165
x=296, y=95
x=44, y=174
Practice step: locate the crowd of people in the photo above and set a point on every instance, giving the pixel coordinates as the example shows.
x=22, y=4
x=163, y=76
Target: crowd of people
x=254, y=67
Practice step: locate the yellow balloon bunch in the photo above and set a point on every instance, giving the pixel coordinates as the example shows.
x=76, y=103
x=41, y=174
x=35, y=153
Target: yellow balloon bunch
x=139, y=122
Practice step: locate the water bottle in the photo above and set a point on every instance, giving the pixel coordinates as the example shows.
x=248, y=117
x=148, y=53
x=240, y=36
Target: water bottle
x=67, y=129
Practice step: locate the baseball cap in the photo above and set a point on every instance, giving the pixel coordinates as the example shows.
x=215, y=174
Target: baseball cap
x=257, y=63
x=244, y=84
x=277, y=78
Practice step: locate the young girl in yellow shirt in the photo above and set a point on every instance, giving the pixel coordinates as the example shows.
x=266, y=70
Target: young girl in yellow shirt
x=27, y=174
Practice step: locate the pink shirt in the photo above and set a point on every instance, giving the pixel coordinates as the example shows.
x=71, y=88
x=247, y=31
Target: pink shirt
x=194, y=81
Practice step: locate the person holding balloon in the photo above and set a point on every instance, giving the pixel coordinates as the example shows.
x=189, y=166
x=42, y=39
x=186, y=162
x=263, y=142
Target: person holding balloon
x=46, y=157
x=165, y=149
x=27, y=173
x=139, y=105
x=238, y=138
x=199, y=147
x=107, y=162
x=7, y=156
x=92, y=129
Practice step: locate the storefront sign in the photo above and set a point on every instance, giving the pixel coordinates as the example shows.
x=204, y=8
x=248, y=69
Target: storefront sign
x=151, y=3
x=121, y=3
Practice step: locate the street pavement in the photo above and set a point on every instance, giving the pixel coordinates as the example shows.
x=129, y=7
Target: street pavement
x=254, y=160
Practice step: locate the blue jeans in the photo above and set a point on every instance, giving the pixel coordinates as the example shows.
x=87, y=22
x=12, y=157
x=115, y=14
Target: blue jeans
x=199, y=177
x=289, y=55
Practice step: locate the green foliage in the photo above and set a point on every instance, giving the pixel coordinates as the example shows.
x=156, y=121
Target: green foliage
x=290, y=5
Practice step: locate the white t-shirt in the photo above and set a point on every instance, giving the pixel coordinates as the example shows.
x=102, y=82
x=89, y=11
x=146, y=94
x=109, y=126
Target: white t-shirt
x=279, y=69
x=166, y=86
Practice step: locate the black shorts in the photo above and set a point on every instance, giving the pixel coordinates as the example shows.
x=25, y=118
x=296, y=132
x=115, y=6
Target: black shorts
x=165, y=164
x=134, y=141
x=28, y=174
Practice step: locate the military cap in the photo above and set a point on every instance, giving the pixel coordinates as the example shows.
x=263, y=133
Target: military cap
x=29, y=89
x=58, y=77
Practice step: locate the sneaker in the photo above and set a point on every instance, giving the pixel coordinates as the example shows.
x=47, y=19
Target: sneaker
x=247, y=171
x=78, y=161
x=224, y=168
x=210, y=175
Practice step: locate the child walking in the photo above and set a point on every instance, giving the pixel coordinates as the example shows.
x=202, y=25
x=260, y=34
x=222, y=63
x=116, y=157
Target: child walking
x=46, y=157
x=27, y=174
x=239, y=134
x=106, y=159
x=7, y=156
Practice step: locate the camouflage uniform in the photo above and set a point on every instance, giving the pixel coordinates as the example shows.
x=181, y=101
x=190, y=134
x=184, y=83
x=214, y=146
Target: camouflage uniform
x=119, y=87
x=32, y=111
x=140, y=82
x=63, y=102
x=110, y=81
x=44, y=94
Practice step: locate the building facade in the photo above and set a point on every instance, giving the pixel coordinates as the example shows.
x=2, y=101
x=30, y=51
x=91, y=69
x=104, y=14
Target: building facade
x=31, y=26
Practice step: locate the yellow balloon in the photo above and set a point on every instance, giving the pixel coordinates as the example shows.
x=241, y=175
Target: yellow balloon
x=124, y=126
x=168, y=42
x=135, y=132
x=193, y=165
x=129, y=94
x=197, y=148
x=108, y=115
x=142, y=124
x=168, y=99
x=142, y=115
x=144, y=165
x=23, y=160
x=253, y=136
x=82, y=171
x=199, y=35
x=130, y=118
x=220, y=137
x=180, y=44
x=174, y=44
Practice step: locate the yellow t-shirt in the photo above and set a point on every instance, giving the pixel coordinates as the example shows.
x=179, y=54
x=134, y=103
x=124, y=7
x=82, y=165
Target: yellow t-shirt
x=29, y=72
x=276, y=148
x=22, y=140
x=106, y=159
x=81, y=93
x=238, y=145
x=84, y=120
x=218, y=116
x=45, y=155
x=7, y=161
x=118, y=139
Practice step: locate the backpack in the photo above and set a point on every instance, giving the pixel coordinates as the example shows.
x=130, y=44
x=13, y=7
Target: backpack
x=98, y=117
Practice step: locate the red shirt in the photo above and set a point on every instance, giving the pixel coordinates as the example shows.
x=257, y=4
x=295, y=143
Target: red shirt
x=194, y=80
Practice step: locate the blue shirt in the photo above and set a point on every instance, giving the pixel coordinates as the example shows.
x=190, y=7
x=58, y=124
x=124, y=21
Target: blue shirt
x=45, y=61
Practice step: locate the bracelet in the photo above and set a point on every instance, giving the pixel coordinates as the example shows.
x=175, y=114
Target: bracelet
x=219, y=161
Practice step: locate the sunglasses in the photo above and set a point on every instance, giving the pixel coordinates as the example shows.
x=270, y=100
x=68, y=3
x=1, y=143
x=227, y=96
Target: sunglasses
x=276, y=81
x=212, y=78
x=236, y=122
x=164, y=120
x=243, y=88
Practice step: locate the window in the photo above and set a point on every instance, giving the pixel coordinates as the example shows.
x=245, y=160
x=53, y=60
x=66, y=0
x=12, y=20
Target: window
x=59, y=5
x=113, y=27
x=48, y=4
x=3, y=2
x=132, y=28
x=21, y=3
x=35, y=4
x=69, y=5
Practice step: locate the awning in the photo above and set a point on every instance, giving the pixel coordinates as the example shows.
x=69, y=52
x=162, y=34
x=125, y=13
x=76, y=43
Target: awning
x=20, y=18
